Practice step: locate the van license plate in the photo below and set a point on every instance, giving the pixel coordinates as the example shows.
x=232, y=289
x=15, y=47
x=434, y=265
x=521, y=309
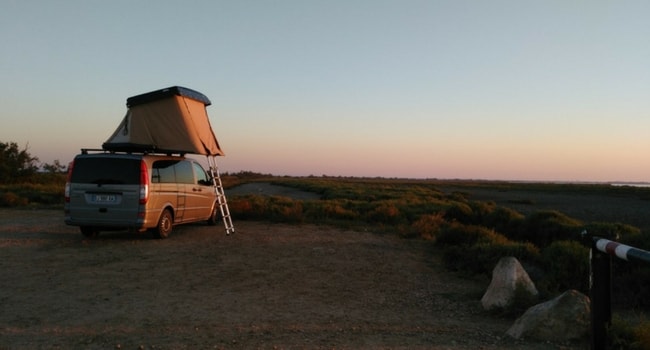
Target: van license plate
x=104, y=198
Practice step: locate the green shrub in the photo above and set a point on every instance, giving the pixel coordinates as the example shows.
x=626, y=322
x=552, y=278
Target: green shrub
x=486, y=214
x=623, y=334
x=481, y=210
x=48, y=192
x=544, y=227
x=385, y=213
x=642, y=335
x=285, y=209
x=337, y=211
x=504, y=220
x=275, y=208
x=459, y=212
x=458, y=196
x=412, y=209
x=456, y=234
x=249, y=207
x=630, y=287
x=623, y=233
x=566, y=266
x=10, y=199
x=428, y=226
x=480, y=258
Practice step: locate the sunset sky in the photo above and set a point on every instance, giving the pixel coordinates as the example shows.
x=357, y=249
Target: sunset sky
x=508, y=90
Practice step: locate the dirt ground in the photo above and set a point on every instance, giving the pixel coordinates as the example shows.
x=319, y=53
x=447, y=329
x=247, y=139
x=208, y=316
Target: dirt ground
x=267, y=286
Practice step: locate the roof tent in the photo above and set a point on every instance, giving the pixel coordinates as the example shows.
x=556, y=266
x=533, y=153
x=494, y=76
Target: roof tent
x=170, y=120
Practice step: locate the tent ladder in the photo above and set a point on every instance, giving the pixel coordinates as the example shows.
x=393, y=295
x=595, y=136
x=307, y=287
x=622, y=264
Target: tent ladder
x=221, y=195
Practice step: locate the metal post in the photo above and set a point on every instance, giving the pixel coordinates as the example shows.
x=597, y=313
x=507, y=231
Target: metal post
x=601, y=297
x=600, y=281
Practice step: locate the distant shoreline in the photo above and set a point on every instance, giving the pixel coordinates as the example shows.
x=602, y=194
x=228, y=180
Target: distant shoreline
x=632, y=184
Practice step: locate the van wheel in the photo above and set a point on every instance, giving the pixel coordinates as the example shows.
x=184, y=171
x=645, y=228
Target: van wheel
x=214, y=217
x=89, y=232
x=165, y=224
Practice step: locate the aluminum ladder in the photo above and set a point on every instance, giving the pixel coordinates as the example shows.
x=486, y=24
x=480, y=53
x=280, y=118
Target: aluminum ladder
x=221, y=195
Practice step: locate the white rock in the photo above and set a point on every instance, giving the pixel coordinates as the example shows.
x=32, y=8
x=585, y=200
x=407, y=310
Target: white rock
x=506, y=276
x=566, y=317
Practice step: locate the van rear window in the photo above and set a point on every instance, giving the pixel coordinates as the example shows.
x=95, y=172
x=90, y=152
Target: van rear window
x=106, y=171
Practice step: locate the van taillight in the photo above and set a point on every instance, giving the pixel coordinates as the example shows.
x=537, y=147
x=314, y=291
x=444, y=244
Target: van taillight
x=144, y=183
x=67, y=182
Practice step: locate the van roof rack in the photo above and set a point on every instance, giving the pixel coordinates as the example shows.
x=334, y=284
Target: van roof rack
x=132, y=151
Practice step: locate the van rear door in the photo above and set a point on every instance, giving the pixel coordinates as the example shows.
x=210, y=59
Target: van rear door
x=105, y=191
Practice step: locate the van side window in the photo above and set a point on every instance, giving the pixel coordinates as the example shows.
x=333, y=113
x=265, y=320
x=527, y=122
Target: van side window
x=163, y=171
x=201, y=177
x=184, y=172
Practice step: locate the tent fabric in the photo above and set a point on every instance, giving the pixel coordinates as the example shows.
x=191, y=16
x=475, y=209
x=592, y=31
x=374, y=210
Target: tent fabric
x=172, y=120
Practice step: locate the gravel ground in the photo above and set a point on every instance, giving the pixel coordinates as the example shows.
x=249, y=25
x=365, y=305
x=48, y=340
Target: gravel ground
x=266, y=286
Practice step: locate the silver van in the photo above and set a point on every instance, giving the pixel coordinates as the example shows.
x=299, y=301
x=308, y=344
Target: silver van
x=139, y=192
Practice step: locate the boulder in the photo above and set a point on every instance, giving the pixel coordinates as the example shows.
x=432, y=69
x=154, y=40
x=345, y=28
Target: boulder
x=506, y=277
x=566, y=317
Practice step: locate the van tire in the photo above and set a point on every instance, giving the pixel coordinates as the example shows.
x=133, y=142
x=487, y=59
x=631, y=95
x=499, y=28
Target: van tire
x=89, y=231
x=214, y=217
x=165, y=225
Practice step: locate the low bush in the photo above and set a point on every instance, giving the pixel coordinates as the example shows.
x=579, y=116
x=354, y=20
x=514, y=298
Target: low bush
x=624, y=335
x=47, y=193
x=286, y=210
x=249, y=207
x=623, y=233
x=10, y=199
x=481, y=211
x=275, y=208
x=385, y=213
x=456, y=234
x=481, y=258
x=504, y=220
x=630, y=287
x=566, y=266
x=486, y=214
x=544, y=227
x=476, y=249
x=459, y=212
x=428, y=226
x=332, y=210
